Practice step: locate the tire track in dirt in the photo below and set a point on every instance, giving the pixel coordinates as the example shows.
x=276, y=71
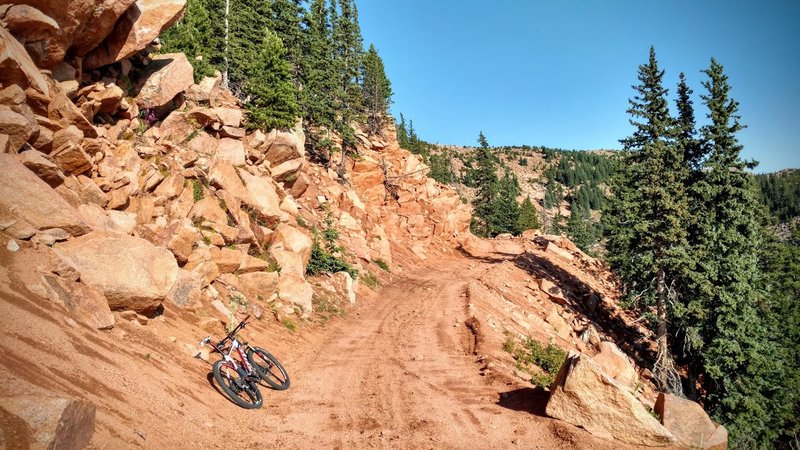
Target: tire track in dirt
x=401, y=374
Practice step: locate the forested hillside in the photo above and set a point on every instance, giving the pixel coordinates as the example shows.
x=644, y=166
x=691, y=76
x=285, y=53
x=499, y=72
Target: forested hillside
x=780, y=192
x=287, y=60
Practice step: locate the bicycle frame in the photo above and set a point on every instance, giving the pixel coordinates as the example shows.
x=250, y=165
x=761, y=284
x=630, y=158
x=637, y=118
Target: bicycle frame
x=235, y=345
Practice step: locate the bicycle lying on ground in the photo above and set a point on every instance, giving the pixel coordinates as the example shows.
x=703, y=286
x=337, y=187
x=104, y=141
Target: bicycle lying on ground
x=239, y=379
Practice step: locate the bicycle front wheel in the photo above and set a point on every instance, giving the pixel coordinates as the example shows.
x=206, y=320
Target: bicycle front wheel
x=268, y=368
x=241, y=391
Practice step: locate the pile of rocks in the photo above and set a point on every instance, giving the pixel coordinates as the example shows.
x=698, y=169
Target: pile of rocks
x=147, y=186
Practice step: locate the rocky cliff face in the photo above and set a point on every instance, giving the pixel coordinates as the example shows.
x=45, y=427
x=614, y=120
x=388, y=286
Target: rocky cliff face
x=148, y=187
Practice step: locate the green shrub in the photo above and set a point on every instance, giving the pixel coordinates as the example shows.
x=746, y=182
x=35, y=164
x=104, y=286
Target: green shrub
x=530, y=353
x=381, y=263
x=370, y=280
x=197, y=190
x=290, y=325
x=325, y=250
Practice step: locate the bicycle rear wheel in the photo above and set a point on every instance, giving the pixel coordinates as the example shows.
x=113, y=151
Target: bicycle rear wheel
x=241, y=391
x=268, y=368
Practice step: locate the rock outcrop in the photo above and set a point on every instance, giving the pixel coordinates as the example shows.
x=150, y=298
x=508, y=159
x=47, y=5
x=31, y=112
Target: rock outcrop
x=31, y=204
x=690, y=425
x=584, y=396
x=131, y=272
x=137, y=28
x=42, y=422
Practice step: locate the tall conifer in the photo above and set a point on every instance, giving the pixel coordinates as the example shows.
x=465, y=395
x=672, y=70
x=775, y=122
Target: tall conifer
x=376, y=89
x=738, y=357
x=650, y=252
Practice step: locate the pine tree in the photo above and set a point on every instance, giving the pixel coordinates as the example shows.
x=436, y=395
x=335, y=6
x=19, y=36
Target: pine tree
x=440, y=168
x=285, y=19
x=402, y=133
x=738, y=358
x=273, y=96
x=376, y=89
x=196, y=36
x=319, y=73
x=484, y=178
x=650, y=252
x=528, y=217
x=686, y=131
x=504, y=215
x=258, y=73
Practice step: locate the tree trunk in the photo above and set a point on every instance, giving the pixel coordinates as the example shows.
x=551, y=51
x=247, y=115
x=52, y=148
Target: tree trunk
x=666, y=376
x=662, y=312
x=342, y=171
x=225, y=80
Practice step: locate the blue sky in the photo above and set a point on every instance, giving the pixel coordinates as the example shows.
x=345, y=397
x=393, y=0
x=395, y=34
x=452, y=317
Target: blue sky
x=559, y=73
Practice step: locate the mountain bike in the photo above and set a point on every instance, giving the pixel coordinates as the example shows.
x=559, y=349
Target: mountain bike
x=239, y=379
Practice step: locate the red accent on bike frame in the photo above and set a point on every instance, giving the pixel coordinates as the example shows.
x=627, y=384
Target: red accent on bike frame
x=244, y=360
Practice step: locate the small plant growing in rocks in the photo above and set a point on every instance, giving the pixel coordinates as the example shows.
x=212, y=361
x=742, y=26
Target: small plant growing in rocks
x=290, y=325
x=530, y=352
x=325, y=249
x=370, y=280
x=382, y=264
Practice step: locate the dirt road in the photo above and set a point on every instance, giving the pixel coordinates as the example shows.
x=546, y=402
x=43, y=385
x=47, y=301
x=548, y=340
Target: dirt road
x=398, y=371
x=401, y=372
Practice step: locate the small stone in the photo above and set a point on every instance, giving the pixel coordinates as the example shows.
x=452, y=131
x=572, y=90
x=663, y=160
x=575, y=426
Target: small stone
x=70, y=322
x=12, y=246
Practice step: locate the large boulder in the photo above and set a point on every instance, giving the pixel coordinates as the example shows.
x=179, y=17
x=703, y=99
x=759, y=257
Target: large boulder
x=616, y=364
x=584, y=396
x=231, y=151
x=15, y=126
x=31, y=200
x=258, y=285
x=263, y=196
x=51, y=28
x=294, y=241
x=46, y=422
x=294, y=289
x=167, y=76
x=287, y=145
x=45, y=169
x=86, y=304
x=136, y=29
x=131, y=272
x=17, y=67
x=690, y=425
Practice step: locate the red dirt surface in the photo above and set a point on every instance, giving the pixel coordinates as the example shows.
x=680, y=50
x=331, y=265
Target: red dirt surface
x=399, y=370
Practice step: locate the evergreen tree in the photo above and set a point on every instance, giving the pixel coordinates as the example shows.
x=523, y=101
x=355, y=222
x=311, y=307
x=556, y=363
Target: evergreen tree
x=196, y=35
x=348, y=50
x=579, y=227
x=484, y=178
x=285, y=19
x=440, y=168
x=402, y=133
x=320, y=81
x=504, y=215
x=273, y=96
x=686, y=131
x=376, y=89
x=739, y=359
x=779, y=262
x=650, y=252
x=528, y=217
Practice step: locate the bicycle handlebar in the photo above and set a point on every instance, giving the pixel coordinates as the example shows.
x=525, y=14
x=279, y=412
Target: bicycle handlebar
x=234, y=331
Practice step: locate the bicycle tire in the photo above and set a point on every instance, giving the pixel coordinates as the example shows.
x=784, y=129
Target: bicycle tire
x=229, y=379
x=268, y=368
